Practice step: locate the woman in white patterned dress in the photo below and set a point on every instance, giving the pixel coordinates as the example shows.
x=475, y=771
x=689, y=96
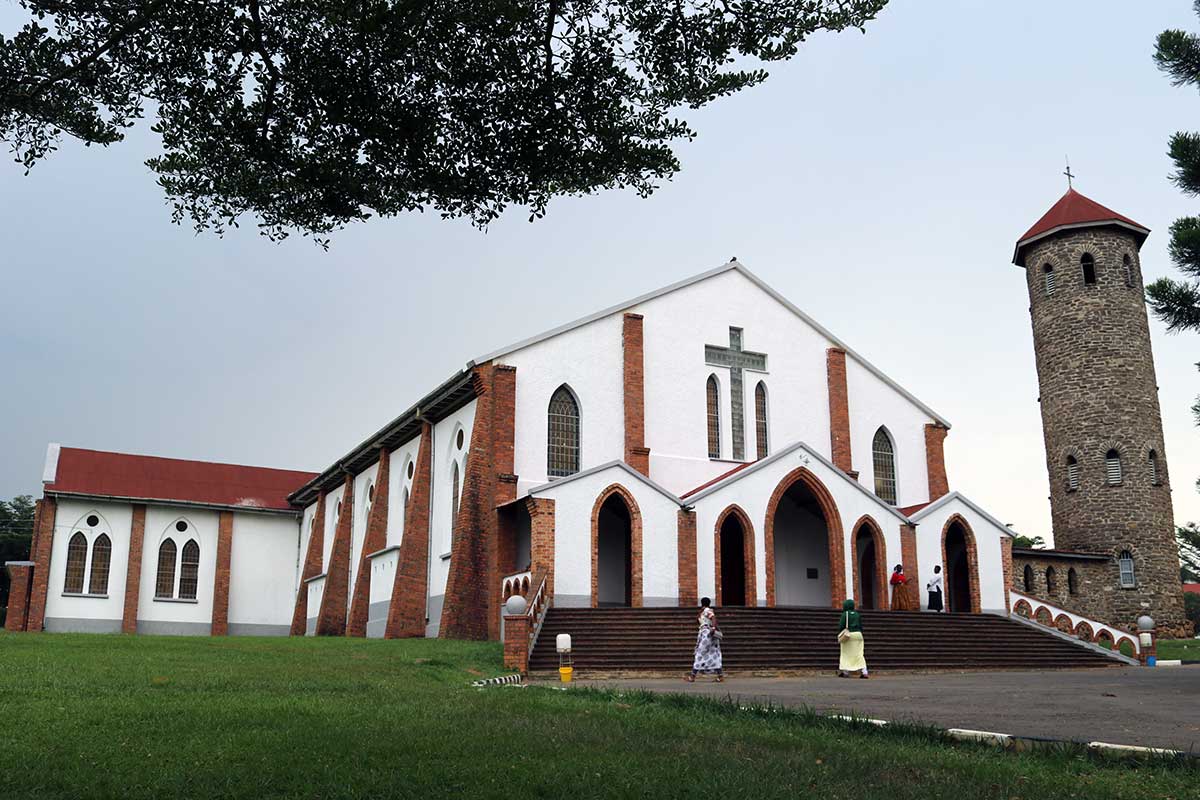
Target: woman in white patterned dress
x=708, y=644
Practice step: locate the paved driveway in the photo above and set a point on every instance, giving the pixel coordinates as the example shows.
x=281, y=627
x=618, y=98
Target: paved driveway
x=1157, y=707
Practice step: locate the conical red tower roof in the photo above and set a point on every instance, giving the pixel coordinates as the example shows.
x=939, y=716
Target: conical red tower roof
x=1073, y=210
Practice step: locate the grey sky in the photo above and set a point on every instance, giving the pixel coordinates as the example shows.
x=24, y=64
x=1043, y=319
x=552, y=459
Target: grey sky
x=877, y=181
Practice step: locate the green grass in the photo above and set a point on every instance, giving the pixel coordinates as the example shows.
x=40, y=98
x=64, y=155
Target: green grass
x=1178, y=648
x=158, y=717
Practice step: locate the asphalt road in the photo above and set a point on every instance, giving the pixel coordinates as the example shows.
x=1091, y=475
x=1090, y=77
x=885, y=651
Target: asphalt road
x=1154, y=707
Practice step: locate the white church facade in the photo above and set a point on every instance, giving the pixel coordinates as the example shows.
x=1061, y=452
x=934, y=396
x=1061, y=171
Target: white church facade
x=705, y=439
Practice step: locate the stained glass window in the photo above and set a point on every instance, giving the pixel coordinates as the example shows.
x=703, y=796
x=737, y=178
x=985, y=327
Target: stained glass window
x=562, y=444
x=884, y=459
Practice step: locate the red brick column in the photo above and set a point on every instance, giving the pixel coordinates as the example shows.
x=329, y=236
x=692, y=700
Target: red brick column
x=311, y=567
x=375, y=539
x=133, y=570
x=935, y=460
x=839, y=409
x=687, y=558
x=20, y=574
x=47, y=510
x=406, y=611
x=473, y=592
x=332, y=619
x=1006, y=560
x=541, y=542
x=908, y=557
x=220, y=612
x=516, y=643
x=637, y=455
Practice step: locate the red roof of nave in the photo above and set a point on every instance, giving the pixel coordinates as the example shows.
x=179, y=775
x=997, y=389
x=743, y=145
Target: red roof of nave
x=1071, y=210
x=124, y=475
x=908, y=511
x=717, y=479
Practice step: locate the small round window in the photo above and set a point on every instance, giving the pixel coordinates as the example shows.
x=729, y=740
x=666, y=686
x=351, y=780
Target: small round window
x=337, y=512
x=181, y=526
x=371, y=493
x=458, y=442
x=411, y=469
x=93, y=521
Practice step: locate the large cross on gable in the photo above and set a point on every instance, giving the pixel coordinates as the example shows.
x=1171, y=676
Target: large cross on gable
x=735, y=359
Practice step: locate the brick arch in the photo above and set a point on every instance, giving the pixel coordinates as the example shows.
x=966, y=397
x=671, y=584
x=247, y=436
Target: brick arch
x=1064, y=624
x=1023, y=608
x=833, y=525
x=1132, y=645
x=747, y=546
x=635, y=544
x=881, y=560
x=1043, y=616
x=1104, y=636
x=972, y=561
x=1083, y=631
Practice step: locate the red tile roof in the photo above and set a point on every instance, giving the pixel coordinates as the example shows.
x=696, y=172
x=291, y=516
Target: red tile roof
x=908, y=511
x=1075, y=209
x=717, y=479
x=94, y=472
x=1193, y=588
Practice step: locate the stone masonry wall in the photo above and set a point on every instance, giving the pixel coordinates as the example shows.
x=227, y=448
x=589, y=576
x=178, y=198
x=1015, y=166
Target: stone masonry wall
x=1098, y=392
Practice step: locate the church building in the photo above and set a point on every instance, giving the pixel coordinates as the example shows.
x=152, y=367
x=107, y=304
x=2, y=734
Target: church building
x=708, y=438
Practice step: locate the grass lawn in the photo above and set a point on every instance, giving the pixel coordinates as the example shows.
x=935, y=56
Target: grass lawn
x=1188, y=649
x=159, y=717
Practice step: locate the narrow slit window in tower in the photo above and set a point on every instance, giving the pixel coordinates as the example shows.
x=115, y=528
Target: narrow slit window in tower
x=1072, y=474
x=1048, y=277
x=1112, y=467
x=1089, y=268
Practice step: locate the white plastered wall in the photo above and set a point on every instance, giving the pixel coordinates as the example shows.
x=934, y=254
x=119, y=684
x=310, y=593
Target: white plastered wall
x=400, y=482
x=988, y=538
x=331, y=519
x=86, y=613
x=874, y=404
x=445, y=454
x=174, y=615
x=358, y=524
x=573, y=503
x=262, y=574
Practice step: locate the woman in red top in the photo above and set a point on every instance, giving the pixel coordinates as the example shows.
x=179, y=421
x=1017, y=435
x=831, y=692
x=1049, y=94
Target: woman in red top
x=902, y=596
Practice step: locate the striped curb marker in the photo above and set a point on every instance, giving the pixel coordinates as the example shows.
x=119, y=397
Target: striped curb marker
x=503, y=680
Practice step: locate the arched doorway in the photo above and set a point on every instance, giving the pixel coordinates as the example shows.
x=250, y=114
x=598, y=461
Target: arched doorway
x=805, y=565
x=962, y=575
x=869, y=561
x=614, y=569
x=734, y=552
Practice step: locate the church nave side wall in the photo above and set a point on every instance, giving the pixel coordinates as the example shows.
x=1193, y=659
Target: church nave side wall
x=88, y=614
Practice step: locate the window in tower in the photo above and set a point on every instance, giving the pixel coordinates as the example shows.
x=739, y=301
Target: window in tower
x=1072, y=474
x=1089, y=268
x=1048, y=277
x=1153, y=461
x=1112, y=467
x=1125, y=562
x=1072, y=581
x=1051, y=581
x=1127, y=263
x=1028, y=578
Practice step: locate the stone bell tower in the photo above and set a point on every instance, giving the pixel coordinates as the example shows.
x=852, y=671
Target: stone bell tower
x=1110, y=490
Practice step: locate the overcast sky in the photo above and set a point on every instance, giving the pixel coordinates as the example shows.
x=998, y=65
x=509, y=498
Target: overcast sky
x=879, y=181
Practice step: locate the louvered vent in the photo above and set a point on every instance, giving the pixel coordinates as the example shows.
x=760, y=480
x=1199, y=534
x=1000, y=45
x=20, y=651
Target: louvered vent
x=1112, y=467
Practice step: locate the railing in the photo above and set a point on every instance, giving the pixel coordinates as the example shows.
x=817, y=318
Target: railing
x=517, y=583
x=1071, y=623
x=521, y=631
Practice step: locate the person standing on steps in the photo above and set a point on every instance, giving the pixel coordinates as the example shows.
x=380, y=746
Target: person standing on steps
x=850, y=640
x=934, y=587
x=903, y=596
x=707, y=657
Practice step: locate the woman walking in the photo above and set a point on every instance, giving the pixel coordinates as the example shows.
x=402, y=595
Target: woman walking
x=935, y=590
x=850, y=639
x=707, y=657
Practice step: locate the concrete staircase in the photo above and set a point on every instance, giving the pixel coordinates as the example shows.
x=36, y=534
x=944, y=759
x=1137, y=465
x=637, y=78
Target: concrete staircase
x=772, y=639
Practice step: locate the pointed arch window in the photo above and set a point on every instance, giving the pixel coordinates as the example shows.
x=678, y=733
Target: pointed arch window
x=1152, y=460
x=760, y=419
x=1127, y=264
x=101, y=556
x=189, y=570
x=1072, y=474
x=883, y=454
x=164, y=584
x=1051, y=581
x=1125, y=564
x=1088, y=264
x=1048, y=278
x=1072, y=581
x=562, y=444
x=76, y=558
x=713, y=398
x=1112, y=467
x=453, y=500
x=1028, y=578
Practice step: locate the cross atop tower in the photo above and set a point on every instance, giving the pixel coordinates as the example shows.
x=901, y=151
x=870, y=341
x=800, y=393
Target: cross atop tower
x=1068, y=173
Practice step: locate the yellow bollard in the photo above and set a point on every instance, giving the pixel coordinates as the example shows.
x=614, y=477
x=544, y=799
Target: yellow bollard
x=564, y=674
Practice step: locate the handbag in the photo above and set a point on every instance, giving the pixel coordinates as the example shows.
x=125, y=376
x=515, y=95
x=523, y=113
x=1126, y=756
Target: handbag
x=843, y=634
